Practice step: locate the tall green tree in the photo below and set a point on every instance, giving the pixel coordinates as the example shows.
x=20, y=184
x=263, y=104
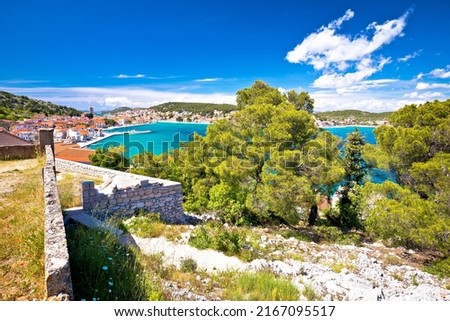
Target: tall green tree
x=301, y=101
x=355, y=172
x=112, y=157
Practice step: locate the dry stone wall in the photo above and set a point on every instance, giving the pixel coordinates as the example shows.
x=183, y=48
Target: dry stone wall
x=126, y=193
x=58, y=280
x=17, y=152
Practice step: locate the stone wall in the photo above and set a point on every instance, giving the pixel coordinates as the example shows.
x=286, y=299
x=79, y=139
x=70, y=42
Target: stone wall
x=126, y=193
x=17, y=152
x=57, y=269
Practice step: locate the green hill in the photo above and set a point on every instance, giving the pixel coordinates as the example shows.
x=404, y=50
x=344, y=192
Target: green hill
x=118, y=110
x=357, y=115
x=198, y=108
x=13, y=107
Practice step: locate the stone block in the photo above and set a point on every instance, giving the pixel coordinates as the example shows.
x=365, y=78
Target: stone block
x=87, y=185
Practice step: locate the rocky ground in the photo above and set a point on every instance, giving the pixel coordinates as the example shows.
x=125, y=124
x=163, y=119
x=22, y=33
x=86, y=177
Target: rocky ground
x=334, y=272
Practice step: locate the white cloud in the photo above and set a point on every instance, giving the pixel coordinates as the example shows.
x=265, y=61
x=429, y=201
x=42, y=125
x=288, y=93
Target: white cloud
x=335, y=53
x=441, y=73
x=410, y=56
x=352, y=81
x=325, y=100
x=108, y=97
x=21, y=81
x=425, y=86
x=123, y=76
x=325, y=48
x=208, y=79
x=426, y=95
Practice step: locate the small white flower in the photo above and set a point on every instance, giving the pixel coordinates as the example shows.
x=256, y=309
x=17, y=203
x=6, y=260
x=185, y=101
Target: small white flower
x=104, y=268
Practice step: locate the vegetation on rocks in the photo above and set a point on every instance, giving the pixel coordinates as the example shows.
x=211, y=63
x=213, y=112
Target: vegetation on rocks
x=261, y=286
x=13, y=107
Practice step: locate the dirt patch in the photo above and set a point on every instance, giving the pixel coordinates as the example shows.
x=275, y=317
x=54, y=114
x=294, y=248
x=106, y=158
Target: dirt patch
x=20, y=165
x=10, y=173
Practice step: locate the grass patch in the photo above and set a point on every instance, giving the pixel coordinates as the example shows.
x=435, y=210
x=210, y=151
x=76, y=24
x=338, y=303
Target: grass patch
x=337, y=267
x=332, y=234
x=261, y=286
x=310, y=294
x=298, y=235
x=69, y=188
x=398, y=277
x=240, y=242
x=22, y=231
x=393, y=260
x=102, y=269
x=440, y=268
x=150, y=225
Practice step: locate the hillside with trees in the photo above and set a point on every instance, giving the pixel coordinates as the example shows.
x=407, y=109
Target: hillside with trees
x=357, y=115
x=196, y=108
x=13, y=107
x=117, y=110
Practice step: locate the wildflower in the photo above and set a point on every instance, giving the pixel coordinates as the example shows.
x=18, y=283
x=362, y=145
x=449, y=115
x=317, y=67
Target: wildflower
x=94, y=299
x=109, y=291
x=110, y=283
x=104, y=268
x=110, y=258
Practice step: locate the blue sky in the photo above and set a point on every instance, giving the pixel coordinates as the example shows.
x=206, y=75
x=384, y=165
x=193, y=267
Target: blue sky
x=375, y=56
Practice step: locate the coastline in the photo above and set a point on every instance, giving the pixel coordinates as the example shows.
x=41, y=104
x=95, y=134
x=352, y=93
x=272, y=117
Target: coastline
x=131, y=125
x=183, y=122
x=346, y=126
x=109, y=134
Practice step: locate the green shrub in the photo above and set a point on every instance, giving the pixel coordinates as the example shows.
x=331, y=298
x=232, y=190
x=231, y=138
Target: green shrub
x=440, y=268
x=188, y=265
x=148, y=225
x=231, y=241
x=402, y=217
x=261, y=286
x=333, y=234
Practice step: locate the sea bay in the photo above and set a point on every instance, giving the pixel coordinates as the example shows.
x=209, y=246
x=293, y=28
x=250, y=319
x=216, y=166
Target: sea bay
x=165, y=136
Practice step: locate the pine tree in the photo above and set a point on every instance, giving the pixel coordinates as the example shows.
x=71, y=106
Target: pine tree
x=355, y=172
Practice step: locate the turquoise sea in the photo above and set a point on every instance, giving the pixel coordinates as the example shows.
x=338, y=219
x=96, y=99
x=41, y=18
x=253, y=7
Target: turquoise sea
x=164, y=136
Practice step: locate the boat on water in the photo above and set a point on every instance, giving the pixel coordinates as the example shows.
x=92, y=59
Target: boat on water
x=139, y=131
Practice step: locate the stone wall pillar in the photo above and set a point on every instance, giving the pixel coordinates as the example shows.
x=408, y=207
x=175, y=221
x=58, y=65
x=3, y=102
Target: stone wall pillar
x=87, y=187
x=46, y=138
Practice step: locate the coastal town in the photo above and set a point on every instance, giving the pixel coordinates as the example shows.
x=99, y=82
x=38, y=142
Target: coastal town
x=71, y=133
x=88, y=126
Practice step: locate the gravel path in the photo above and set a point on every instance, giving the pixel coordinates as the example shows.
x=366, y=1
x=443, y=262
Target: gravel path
x=209, y=260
